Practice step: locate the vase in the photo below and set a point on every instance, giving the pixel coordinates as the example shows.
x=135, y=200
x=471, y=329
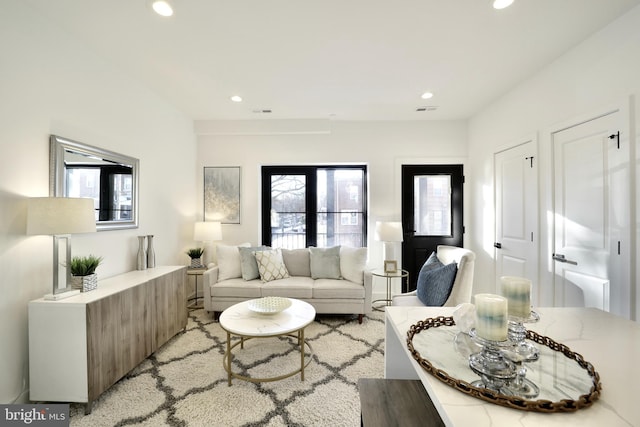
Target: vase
x=151, y=254
x=85, y=283
x=196, y=263
x=142, y=254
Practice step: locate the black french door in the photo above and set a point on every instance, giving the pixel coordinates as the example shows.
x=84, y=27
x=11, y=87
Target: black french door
x=431, y=213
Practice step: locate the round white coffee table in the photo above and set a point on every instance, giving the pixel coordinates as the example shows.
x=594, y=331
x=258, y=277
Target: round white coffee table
x=240, y=321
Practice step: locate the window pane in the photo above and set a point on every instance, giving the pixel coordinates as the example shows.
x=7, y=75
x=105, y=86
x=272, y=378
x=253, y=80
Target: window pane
x=432, y=195
x=344, y=228
x=340, y=204
x=288, y=217
x=314, y=206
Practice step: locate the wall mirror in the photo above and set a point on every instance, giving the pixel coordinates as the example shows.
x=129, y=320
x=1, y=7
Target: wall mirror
x=110, y=179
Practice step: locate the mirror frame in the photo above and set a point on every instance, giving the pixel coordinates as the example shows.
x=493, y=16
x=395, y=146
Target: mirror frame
x=59, y=145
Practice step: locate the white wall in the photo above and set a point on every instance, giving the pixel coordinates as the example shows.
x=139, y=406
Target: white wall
x=50, y=83
x=382, y=146
x=602, y=71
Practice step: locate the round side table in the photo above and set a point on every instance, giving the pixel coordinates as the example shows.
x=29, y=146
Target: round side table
x=400, y=274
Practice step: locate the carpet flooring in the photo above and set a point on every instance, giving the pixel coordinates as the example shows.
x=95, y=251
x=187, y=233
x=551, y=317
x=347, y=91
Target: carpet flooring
x=184, y=383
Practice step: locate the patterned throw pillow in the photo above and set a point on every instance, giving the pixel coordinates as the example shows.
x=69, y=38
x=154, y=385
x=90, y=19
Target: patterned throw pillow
x=435, y=281
x=270, y=265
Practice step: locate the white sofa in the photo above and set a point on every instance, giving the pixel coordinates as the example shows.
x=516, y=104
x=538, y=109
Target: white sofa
x=338, y=284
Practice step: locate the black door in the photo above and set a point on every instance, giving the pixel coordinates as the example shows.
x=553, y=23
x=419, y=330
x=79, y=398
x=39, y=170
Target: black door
x=431, y=213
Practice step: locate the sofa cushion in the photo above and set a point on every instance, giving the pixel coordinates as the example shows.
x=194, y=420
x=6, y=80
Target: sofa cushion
x=292, y=287
x=325, y=263
x=297, y=261
x=228, y=258
x=337, y=289
x=237, y=288
x=353, y=261
x=435, y=281
x=270, y=265
x=248, y=263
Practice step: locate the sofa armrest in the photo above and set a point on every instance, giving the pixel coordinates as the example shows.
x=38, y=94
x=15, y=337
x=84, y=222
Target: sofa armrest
x=368, y=290
x=210, y=277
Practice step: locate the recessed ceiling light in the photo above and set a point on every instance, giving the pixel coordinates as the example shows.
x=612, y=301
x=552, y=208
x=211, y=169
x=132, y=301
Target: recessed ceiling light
x=501, y=4
x=427, y=95
x=162, y=7
x=236, y=98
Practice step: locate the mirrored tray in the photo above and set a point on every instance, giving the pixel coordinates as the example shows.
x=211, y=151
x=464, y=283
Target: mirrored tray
x=567, y=382
x=269, y=305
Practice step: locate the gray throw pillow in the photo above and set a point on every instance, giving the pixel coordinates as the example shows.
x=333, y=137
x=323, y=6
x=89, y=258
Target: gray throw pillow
x=248, y=263
x=325, y=263
x=435, y=281
x=297, y=261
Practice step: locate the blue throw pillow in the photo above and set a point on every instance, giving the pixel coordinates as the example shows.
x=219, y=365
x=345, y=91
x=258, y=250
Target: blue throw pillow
x=435, y=281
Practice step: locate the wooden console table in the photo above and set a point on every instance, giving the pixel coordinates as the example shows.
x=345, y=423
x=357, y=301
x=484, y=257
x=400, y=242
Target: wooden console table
x=82, y=345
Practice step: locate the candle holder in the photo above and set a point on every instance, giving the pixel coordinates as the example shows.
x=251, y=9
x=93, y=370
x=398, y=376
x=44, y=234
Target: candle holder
x=521, y=352
x=517, y=334
x=495, y=370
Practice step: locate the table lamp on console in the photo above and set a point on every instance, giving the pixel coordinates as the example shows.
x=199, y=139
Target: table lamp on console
x=60, y=217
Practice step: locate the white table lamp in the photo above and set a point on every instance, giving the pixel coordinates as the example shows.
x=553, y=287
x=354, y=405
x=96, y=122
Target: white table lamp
x=60, y=217
x=207, y=231
x=390, y=233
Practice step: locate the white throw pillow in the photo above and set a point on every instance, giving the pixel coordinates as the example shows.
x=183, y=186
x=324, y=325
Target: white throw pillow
x=229, y=261
x=353, y=261
x=270, y=265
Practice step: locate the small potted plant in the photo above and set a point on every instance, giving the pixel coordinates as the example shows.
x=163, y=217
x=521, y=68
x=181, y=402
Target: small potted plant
x=83, y=272
x=196, y=257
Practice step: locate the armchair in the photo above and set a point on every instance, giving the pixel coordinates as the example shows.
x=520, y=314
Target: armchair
x=462, y=285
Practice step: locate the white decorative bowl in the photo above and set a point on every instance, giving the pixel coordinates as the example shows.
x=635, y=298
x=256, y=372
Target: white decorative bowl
x=269, y=305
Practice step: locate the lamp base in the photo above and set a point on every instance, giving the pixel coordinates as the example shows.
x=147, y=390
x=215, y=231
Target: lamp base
x=61, y=295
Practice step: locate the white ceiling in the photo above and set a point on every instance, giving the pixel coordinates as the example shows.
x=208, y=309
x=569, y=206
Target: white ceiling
x=340, y=59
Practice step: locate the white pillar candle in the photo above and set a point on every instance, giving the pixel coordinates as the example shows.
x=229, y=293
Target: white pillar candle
x=491, y=317
x=518, y=291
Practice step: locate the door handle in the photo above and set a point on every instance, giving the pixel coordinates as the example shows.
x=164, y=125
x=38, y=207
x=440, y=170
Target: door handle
x=497, y=245
x=561, y=258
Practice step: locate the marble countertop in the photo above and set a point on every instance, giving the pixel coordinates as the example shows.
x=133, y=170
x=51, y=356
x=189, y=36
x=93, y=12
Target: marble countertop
x=240, y=320
x=610, y=343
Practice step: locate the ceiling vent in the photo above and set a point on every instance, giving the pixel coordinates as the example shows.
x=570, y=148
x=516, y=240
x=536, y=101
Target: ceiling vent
x=427, y=108
x=259, y=111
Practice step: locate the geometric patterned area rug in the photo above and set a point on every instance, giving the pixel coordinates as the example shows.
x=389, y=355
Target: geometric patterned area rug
x=185, y=384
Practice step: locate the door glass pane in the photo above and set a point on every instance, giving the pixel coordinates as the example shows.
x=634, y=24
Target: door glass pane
x=121, y=196
x=432, y=205
x=340, y=204
x=288, y=218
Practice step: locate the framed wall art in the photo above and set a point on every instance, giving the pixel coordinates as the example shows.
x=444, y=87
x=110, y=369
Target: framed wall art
x=222, y=194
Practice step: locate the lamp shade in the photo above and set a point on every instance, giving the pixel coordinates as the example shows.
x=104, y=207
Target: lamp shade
x=207, y=231
x=389, y=231
x=60, y=215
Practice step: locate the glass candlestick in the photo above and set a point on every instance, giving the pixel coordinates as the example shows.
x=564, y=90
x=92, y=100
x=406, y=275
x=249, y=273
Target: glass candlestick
x=494, y=369
x=517, y=334
x=522, y=351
